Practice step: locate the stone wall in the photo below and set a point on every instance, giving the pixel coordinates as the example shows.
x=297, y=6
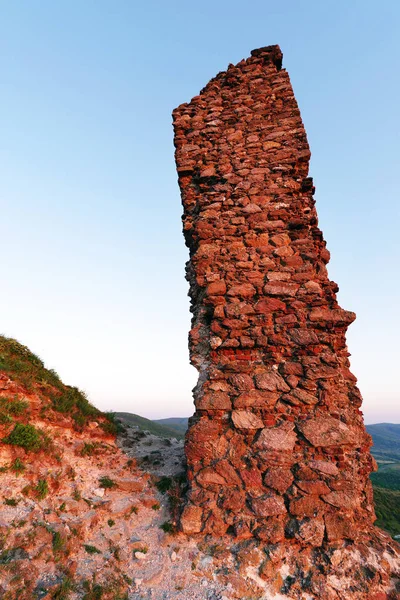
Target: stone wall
x=277, y=446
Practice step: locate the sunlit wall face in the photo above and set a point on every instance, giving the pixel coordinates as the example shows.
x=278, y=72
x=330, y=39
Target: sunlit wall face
x=92, y=253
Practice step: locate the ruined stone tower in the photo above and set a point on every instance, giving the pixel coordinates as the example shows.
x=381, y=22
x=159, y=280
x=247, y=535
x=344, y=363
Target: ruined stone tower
x=277, y=448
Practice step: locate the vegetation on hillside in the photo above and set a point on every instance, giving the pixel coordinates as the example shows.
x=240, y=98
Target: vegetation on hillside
x=27, y=369
x=388, y=476
x=387, y=508
x=28, y=437
x=148, y=425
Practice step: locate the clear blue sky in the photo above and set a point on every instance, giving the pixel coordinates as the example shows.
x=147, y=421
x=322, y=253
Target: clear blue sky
x=92, y=254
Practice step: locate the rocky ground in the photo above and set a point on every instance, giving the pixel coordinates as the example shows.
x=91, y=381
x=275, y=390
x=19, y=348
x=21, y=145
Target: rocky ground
x=81, y=519
x=89, y=517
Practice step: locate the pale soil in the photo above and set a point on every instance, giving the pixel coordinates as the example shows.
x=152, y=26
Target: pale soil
x=79, y=510
x=133, y=554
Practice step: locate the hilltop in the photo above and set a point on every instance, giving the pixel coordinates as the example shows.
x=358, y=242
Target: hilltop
x=166, y=428
x=60, y=469
x=386, y=438
x=79, y=519
x=89, y=503
x=88, y=508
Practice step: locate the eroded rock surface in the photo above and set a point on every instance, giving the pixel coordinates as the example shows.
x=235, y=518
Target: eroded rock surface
x=277, y=449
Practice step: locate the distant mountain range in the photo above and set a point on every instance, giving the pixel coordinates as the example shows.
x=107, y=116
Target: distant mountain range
x=167, y=428
x=386, y=438
x=178, y=424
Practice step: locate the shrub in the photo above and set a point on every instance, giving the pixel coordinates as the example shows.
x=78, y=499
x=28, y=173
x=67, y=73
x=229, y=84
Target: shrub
x=13, y=406
x=90, y=448
x=168, y=527
x=164, y=484
x=11, y=501
x=26, y=490
x=11, y=554
x=41, y=489
x=156, y=506
x=21, y=523
x=64, y=590
x=58, y=542
x=111, y=426
x=70, y=400
x=116, y=552
x=91, y=549
x=111, y=523
x=106, y=483
x=5, y=419
x=18, y=466
x=95, y=593
x=27, y=437
x=79, y=420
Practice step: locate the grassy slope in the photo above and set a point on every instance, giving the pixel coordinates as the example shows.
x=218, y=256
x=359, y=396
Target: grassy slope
x=26, y=369
x=148, y=425
x=387, y=477
x=387, y=507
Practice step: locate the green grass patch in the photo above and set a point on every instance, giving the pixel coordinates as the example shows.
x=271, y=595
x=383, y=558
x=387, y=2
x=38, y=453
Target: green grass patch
x=23, y=365
x=111, y=425
x=64, y=590
x=106, y=483
x=5, y=418
x=95, y=592
x=18, y=466
x=71, y=401
x=387, y=508
x=28, y=437
x=387, y=477
x=41, y=489
x=10, y=501
x=28, y=369
x=58, y=542
x=91, y=549
x=168, y=527
x=91, y=448
x=164, y=484
x=13, y=406
x=77, y=494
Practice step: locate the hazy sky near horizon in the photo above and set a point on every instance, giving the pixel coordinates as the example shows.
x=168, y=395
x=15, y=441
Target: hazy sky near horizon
x=92, y=254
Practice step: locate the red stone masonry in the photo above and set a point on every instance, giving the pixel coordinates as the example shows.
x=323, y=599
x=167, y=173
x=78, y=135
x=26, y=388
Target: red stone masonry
x=277, y=447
